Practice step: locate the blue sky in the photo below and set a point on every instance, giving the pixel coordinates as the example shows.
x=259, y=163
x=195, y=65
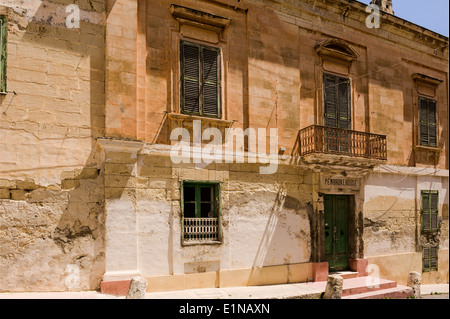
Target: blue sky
x=431, y=14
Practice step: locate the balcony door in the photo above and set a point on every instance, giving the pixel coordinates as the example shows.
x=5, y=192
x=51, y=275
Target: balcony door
x=337, y=113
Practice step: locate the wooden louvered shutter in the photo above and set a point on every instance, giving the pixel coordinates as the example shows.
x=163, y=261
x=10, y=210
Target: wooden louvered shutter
x=432, y=123
x=211, y=82
x=423, y=121
x=190, y=78
x=425, y=211
x=3, y=37
x=344, y=105
x=433, y=258
x=426, y=259
x=434, y=211
x=330, y=101
x=427, y=122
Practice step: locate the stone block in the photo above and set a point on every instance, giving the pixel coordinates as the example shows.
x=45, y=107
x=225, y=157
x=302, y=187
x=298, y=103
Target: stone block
x=138, y=286
x=5, y=193
x=18, y=194
x=333, y=290
x=414, y=281
x=70, y=183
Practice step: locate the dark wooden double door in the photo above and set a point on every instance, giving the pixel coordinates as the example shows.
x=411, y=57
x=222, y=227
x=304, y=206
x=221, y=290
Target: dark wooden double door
x=336, y=231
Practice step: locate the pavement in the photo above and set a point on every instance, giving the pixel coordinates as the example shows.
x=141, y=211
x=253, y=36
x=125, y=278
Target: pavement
x=286, y=291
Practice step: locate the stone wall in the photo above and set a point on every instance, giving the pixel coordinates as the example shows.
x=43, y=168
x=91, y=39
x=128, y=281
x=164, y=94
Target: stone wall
x=265, y=218
x=51, y=194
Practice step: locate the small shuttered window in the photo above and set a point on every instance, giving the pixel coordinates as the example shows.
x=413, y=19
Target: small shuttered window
x=427, y=122
x=430, y=258
x=430, y=211
x=337, y=101
x=200, y=80
x=3, y=36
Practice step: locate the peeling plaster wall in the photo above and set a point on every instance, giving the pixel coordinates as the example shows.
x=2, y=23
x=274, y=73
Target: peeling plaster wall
x=51, y=194
x=265, y=219
x=392, y=211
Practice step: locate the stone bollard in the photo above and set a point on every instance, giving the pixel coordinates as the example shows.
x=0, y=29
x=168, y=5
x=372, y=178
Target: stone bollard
x=334, y=287
x=414, y=281
x=137, y=288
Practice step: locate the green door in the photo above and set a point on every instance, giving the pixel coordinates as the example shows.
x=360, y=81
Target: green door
x=336, y=231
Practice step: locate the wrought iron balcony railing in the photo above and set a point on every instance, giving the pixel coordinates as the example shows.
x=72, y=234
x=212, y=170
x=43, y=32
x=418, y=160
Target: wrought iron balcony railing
x=330, y=140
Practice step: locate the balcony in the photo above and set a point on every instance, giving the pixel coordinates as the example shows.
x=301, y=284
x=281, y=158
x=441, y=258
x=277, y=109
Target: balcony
x=318, y=139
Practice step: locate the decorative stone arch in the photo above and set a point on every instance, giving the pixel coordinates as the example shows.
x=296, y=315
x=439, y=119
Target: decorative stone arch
x=337, y=51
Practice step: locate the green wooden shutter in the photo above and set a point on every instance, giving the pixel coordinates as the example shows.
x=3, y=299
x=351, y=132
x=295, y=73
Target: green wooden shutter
x=432, y=123
x=211, y=82
x=330, y=101
x=426, y=259
x=430, y=210
x=427, y=122
x=3, y=37
x=426, y=211
x=190, y=78
x=434, y=210
x=344, y=105
x=433, y=258
x=337, y=102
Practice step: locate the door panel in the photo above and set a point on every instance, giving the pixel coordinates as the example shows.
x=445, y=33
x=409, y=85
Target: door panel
x=336, y=231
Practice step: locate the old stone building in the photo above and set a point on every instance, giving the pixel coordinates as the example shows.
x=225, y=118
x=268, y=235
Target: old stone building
x=218, y=143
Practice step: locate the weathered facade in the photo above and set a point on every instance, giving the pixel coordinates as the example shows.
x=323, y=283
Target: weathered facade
x=91, y=192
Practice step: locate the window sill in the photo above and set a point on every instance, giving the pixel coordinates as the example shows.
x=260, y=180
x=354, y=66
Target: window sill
x=185, y=117
x=195, y=243
x=427, y=148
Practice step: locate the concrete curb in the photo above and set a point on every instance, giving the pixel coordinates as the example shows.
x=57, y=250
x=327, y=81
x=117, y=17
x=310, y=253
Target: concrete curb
x=288, y=291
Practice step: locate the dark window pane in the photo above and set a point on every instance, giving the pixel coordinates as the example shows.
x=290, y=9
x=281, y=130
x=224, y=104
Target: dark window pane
x=206, y=194
x=189, y=194
x=206, y=210
x=189, y=210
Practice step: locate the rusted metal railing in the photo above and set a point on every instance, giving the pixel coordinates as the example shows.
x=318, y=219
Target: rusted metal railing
x=330, y=140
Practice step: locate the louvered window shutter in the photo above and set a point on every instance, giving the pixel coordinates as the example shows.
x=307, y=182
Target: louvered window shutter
x=434, y=210
x=425, y=211
x=210, y=83
x=427, y=122
x=344, y=105
x=433, y=258
x=426, y=259
x=432, y=123
x=330, y=101
x=337, y=102
x=200, y=80
x=190, y=78
x=430, y=210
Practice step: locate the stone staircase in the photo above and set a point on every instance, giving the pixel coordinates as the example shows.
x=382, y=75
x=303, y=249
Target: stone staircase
x=368, y=287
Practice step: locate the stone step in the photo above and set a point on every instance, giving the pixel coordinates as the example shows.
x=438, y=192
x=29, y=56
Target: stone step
x=359, y=285
x=346, y=274
x=399, y=292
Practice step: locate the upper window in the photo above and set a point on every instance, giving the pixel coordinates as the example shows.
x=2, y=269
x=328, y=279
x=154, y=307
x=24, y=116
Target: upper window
x=3, y=30
x=427, y=122
x=430, y=210
x=200, y=80
x=201, y=212
x=337, y=101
